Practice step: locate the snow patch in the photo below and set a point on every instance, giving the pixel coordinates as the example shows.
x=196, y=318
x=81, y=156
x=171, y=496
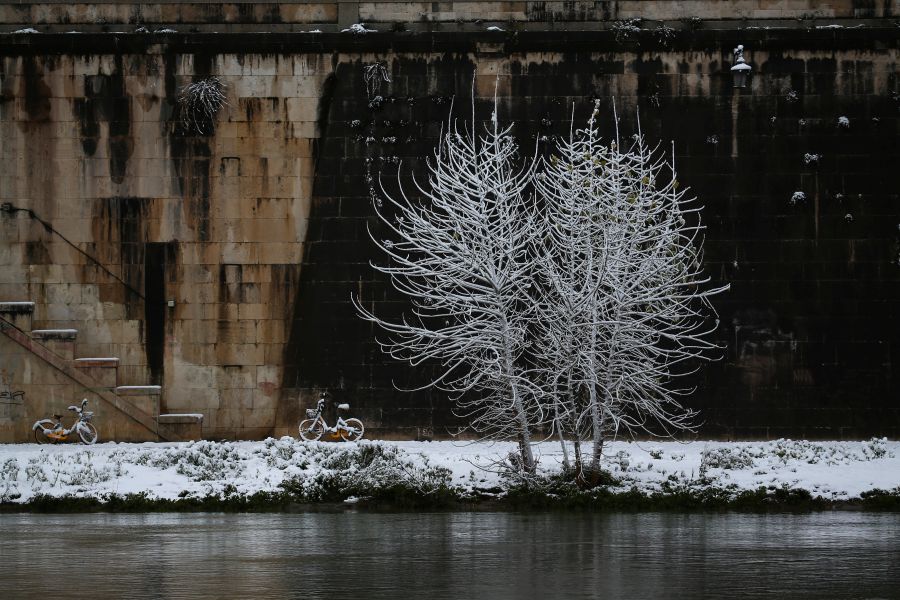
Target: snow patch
x=358, y=29
x=149, y=388
x=320, y=470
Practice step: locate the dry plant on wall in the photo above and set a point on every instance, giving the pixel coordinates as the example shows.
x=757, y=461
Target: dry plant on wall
x=198, y=104
x=374, y=75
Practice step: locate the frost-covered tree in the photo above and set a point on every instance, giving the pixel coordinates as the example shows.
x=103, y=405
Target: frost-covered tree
x=624, y=305
x=605, y=279
x=570, y=271
x=463, y=255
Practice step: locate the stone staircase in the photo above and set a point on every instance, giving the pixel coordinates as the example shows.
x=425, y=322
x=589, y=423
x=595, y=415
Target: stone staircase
x=57, y=347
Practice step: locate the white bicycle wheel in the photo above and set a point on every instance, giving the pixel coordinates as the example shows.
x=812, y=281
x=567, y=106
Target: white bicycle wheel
x=87, y=432
x=311, y=429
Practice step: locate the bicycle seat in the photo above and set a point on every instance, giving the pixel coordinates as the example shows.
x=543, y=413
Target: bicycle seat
x=57, y=417
x=74, y=408
x=343, y=406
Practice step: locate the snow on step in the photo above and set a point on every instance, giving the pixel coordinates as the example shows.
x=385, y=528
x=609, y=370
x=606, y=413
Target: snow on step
x=138, y=390
x=96, y=362
x=59, y=341
x=181, y=418
x=16, y=307
x=18, y=313
x=55, y=334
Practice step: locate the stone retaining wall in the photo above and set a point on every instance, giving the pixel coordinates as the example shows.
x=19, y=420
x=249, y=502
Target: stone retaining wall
x=303, y=15
x=258, y=232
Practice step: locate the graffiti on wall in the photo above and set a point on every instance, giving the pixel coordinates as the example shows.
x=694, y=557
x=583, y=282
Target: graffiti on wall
x=11, y=401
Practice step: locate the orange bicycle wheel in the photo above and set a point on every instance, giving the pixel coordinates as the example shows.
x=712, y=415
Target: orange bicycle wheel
x=353, y=430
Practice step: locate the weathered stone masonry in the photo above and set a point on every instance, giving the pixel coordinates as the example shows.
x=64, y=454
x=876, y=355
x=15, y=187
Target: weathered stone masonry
x=258, y=233
x=214, y=224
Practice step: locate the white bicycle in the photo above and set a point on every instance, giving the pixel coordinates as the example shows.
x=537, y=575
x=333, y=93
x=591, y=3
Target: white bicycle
x=48, y=431
x=314, y=427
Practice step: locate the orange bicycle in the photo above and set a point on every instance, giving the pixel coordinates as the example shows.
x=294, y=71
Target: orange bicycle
x=48, y=431
x=315, y=426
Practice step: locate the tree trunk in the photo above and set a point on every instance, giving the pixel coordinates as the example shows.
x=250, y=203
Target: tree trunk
x=595, y=461
x=597, y=437
x=557, y=423
x=524, y=434
x=521, y=419
x=579, y=462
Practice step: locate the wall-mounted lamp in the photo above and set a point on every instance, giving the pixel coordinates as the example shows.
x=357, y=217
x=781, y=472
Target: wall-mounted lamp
x=170, y=304
x=740, y=72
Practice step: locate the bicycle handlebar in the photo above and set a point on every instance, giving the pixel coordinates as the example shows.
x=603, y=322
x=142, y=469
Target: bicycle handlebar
x=79, y=410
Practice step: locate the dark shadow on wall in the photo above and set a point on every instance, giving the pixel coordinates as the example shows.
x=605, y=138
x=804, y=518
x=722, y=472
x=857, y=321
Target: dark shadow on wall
x=812, y=342
x=330, y=347
x=160, y=263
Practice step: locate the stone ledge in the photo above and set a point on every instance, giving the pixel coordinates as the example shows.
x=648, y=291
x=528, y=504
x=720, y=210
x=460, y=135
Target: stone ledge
x=138, y=390
x=180, y=419
x=54, y=334
x=876, y=38
x=84, y=363
x=17, y=308
x=182, y=427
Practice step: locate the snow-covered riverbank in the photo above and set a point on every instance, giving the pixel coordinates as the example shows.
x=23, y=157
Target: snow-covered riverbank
x=342, y=471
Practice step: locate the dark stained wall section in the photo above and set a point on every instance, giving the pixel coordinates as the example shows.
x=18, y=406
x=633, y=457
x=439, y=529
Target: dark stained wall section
x=810, y=325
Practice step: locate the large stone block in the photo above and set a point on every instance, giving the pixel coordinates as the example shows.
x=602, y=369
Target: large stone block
x=181, y=427
x=102, y=370
x=18, y=314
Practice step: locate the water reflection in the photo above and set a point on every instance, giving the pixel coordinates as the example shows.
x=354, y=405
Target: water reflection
x=450, y=555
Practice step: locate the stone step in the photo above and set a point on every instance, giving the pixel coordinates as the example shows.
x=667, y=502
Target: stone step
x=55, y=334
x=138, y=390
x=59, y=341
x=139, y=422
x=18, y=313
x=104, y=370
x=181, y=427
x=145, y=397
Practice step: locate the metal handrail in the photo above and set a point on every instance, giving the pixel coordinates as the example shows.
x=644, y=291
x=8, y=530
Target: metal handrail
x=8, y=207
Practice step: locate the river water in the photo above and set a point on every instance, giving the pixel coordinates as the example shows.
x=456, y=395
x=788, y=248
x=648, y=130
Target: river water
x=450, y=555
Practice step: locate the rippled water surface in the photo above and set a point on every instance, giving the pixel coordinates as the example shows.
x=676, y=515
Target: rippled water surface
x=450, y=555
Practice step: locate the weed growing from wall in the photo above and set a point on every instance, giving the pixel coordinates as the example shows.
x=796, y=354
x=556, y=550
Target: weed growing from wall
x=198, y=104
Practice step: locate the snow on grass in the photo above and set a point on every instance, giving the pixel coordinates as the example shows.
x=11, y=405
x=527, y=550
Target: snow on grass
x=338, y=471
